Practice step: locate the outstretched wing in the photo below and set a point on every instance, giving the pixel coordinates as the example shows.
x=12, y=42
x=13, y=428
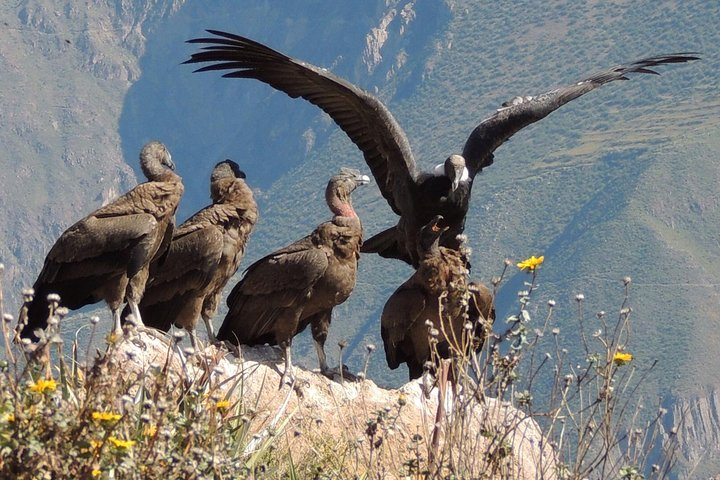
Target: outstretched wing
x=522, y=111
x=367, y=122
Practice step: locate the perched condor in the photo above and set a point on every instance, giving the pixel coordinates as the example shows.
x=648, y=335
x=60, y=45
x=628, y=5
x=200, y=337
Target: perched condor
x=204, y=253
x=414, y=195
x=284, y=292
x=437, y=301
x=106, y=255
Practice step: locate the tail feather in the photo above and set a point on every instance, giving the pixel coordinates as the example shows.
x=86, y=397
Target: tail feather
x=33, y=316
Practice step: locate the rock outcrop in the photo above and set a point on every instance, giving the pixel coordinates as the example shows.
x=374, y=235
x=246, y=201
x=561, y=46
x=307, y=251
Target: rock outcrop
x=374, y=429
x=695, y=420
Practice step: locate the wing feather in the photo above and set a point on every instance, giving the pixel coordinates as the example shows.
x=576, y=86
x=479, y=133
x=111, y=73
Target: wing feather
x=101, y=245
x=522, y=111
x=401, y=311
x=366, y=121
x=191, y=262
x=271, y=286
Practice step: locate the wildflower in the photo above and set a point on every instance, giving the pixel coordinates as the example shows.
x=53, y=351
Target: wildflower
x=402, y=399
x=524, y=398
x=222, y=404
x=621, y=358
x=106, y=416
x=113, y=338
x=94, y=445
x=531, y=263
x=629, y=472
x=96, y=472
x=41, y=386
x=121, y=444
x=9, y=417
x=150, y=430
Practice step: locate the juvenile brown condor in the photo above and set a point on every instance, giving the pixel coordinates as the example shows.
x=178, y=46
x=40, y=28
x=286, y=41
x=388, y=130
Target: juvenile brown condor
x=106, y=255
x=204, y=253
x=438, y=293
x=414, y=195
x=299, y=285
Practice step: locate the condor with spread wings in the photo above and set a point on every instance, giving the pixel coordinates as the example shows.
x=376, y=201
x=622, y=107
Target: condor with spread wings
x=416, y=196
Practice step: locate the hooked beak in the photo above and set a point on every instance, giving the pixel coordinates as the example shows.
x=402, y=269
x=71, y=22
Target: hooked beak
x=169, y=162
x=436, y=228
x=362, y=179
x=457, y=177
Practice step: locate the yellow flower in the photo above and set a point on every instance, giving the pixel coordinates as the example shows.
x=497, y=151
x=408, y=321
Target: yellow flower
x=402, y=399
x=621, y=358
x=113, y=338
x=43, y=385
x=222, y=404
x=96, y=472
x=106, y=416
x=531, y=263
x=94, y=446
x=121, y=444
x=9, y=417
x=150, y=430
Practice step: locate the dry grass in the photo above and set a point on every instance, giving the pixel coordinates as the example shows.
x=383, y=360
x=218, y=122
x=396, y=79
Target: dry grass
x=193, y=414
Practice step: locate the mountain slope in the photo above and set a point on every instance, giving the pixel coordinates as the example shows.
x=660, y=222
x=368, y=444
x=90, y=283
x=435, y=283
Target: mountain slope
x=620, y=182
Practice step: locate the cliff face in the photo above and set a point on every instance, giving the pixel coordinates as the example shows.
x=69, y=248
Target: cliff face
x=696, y=420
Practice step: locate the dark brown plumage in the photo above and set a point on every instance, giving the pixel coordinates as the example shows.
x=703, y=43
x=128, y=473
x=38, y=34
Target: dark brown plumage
x=414, y=309
x=415, y=196
x=205, y=252
x=106, y=255
x=284, y=292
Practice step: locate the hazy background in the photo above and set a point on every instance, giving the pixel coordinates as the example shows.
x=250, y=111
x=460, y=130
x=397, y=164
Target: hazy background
x=620, y=182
